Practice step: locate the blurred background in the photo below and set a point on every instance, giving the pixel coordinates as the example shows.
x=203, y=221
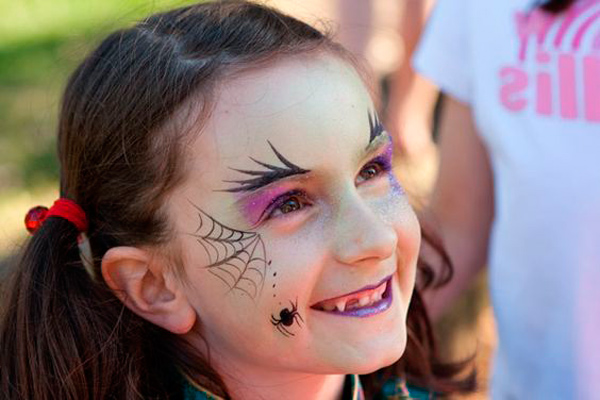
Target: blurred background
x=42, y=41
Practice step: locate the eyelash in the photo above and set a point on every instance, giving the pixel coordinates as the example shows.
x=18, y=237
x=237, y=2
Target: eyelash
x=382, y=162
x=280, y=201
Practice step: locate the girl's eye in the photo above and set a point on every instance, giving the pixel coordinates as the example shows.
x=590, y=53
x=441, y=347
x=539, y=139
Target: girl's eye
x=291, y=204
x=372, y=170
x=288, y=203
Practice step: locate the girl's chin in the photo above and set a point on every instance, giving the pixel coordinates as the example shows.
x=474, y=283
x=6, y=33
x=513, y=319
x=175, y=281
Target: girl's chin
x=372, y=359
x=372, y=367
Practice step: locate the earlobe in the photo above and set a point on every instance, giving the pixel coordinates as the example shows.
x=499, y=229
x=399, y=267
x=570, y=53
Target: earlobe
x=148, y=288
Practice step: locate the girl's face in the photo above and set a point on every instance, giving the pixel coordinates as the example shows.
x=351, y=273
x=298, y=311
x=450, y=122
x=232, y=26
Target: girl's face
x=299, y=245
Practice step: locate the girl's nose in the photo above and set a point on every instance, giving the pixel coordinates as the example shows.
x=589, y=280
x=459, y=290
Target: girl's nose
x=361, y=236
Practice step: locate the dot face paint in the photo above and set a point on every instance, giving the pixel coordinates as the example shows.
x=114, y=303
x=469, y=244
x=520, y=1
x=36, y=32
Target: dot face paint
x=293, y=154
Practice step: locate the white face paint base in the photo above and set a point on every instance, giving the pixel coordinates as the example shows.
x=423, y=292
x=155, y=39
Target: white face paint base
x=347, y=230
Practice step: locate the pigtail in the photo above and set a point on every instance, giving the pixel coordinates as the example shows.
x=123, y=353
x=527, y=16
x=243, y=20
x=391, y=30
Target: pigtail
x=41, y=323
x=67, y=335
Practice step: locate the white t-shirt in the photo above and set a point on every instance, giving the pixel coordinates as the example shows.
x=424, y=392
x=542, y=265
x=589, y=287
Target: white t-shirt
x=533, y=82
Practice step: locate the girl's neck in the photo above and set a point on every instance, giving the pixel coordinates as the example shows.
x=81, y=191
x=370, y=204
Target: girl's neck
x=246, y=381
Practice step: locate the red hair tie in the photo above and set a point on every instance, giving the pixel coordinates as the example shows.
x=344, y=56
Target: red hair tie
x=62, y=208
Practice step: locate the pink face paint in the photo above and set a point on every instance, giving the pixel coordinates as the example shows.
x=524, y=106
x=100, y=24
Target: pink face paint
x=256, y=205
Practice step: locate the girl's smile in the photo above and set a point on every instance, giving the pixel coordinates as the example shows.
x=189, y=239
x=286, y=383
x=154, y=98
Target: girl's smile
x=365, y=302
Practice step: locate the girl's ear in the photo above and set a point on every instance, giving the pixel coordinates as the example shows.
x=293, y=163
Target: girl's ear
x=148, y=288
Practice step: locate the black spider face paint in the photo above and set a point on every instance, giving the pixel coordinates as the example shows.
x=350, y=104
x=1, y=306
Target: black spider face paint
x=375, y=126
x=287, y=318
x=272, y=174
x=235, y=257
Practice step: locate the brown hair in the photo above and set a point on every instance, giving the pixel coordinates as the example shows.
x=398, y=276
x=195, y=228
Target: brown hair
x=64, y=335
x=556, y=6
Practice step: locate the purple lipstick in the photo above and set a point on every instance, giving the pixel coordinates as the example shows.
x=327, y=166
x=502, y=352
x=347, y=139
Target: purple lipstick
x=365, y=302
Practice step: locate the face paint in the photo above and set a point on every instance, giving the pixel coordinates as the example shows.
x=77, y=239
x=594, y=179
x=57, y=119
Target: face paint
x=375, y=126
x=287, y=318
x=267, y=203
x=333, y=226
x=365, y=302
x=378, y=132
x=235, y=257
x=273, y=174
x=379, y=164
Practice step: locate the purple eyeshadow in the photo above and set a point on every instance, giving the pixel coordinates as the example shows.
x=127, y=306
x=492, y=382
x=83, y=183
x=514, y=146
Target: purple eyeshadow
x=385, y=158
x=254, y=209
x=258, y=204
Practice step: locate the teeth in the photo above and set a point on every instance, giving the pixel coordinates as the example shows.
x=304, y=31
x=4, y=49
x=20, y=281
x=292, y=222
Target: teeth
x=381, y=291
x=364, y=301
x=377, y=296
x=351, y=302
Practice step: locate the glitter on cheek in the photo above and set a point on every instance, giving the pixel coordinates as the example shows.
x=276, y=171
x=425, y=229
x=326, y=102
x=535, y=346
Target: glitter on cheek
x=389, y=207
x=395, y=202
x=389, y=148
x=397, y=189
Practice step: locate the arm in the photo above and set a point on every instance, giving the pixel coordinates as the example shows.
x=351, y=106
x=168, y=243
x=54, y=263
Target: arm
x=412, y=98
x=462, y=201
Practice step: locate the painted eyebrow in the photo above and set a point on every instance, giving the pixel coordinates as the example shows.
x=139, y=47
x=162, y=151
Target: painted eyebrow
x=378, y=143
x=375, y=126
x=264, y=178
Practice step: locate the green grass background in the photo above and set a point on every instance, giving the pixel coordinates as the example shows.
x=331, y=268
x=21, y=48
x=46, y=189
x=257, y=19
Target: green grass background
x=41, y=43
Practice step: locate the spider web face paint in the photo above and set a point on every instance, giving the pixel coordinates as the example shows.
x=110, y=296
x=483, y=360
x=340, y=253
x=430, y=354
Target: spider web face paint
x=375, y=126
x=272, y=174
x=235, y=257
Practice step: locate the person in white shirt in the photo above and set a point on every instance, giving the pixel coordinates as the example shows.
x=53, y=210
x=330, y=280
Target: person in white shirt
x=519, y=181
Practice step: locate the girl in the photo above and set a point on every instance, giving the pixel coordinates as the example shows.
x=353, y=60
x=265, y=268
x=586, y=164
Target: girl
x=241, y=234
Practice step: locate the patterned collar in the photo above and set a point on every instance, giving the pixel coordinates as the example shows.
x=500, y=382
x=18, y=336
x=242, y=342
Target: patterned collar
x=394, y=389
x=191, y=391
x=352, y=390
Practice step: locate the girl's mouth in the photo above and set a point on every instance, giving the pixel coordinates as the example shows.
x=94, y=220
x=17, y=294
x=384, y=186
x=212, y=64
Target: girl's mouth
x=365, y=302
